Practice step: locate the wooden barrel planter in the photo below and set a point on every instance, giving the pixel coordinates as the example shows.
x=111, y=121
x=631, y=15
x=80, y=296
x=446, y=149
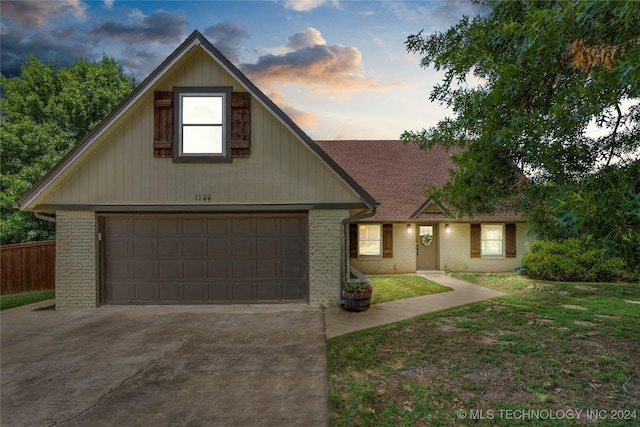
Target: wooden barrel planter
x=356, y=301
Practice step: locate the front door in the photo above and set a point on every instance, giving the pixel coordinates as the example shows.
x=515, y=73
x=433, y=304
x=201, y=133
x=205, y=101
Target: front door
x=427, y=247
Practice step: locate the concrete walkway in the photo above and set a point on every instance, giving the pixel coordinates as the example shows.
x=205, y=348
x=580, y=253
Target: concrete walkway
x=339, y=321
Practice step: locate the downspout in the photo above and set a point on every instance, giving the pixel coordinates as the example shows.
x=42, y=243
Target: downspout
x=44, y=217
x=344, y=223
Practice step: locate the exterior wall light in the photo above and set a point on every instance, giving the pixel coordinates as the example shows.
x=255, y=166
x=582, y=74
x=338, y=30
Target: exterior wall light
x=447, y=229
x=409, y=229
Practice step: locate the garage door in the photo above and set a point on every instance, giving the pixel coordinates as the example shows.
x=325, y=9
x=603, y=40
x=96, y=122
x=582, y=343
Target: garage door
x=206, y=259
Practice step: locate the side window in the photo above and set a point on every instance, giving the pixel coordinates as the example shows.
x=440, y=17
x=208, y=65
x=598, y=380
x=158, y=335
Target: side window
x=370, y=240
x=492, y=240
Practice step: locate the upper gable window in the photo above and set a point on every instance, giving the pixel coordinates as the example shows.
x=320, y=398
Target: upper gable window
x=202, y=117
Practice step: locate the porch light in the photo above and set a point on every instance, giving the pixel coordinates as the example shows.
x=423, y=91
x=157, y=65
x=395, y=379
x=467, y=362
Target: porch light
x=409, y=229
x=447, y=229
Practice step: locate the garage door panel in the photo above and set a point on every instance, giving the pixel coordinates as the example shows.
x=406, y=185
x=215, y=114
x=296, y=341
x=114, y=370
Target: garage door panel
x=243, y=292
x=170, y=292
x=267, y=225
x=243, y=269
x=293, y=269
x=268, y=291
x=292, y=248
x=220, y=292
x=145, y=292
x=218, y=226
x=143, y=226
x=292, y=290
x=206, y=259
x=170, y=248
x=218, y=247
x=118, y=226
x=169, y=271
x=120, y=248
x=122, y=292
x=268, y=269
x=193, y=226
x=145, y=270
x=242, y=247
x=292, y=226
x=194, y=269
x=267, y=248
x=145, y=248
x=194, y=248
x=169, y=226
x=220, y=269
x=242, y=225
x=196, y=291
x=119, y=270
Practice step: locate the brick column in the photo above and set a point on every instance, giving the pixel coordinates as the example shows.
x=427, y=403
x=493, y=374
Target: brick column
x=76, y=260
x=325, y=245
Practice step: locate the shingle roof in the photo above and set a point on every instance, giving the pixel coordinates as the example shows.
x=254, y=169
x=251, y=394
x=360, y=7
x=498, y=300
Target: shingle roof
x=395, y=173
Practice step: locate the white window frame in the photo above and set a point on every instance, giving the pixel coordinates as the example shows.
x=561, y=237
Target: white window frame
x=361, y=228
x=217, y=125
x=485, y=241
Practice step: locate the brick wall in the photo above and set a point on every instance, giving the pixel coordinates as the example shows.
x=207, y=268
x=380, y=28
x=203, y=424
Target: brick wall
x=404, y=255
x=455, y=249
x=76, y=260
x=325, y=245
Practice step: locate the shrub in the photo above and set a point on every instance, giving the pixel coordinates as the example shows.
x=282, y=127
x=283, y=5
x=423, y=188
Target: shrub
x=573, y=260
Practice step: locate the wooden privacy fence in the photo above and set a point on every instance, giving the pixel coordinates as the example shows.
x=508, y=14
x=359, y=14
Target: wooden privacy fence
x=27, y=267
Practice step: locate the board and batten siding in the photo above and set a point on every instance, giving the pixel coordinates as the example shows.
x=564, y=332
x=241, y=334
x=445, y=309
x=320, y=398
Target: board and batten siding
x=120, y=169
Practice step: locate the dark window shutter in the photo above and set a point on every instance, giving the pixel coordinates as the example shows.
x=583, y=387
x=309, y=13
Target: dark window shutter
x=510, y=240
x=162, y=124
x=240, y=124
x=475, y=241
x=353, y=240
x=387, y=240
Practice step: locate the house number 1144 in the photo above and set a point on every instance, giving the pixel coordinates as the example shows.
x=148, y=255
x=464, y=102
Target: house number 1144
x=202, y=197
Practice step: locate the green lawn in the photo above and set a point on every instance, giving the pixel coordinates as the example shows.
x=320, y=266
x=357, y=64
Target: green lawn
x=402, y=286
x=16, y=300
x=563, y=350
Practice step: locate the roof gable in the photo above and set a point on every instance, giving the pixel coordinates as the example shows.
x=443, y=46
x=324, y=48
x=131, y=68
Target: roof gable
x=182, y=67
x=395, y=174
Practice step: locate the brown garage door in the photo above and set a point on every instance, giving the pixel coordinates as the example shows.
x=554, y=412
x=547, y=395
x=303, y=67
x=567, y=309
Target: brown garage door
x=206, y=259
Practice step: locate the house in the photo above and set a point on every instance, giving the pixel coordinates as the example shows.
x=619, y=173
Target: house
x=409, y=232
x=198, y=189
x=163, y=204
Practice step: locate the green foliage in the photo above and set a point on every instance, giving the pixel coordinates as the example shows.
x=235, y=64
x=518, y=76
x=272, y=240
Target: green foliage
x=17, y=300
x=44, y=113
x=400, y=286
x=524, y=84
x=573, y=260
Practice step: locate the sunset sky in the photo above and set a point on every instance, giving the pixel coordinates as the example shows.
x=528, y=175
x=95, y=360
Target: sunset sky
x=338, y=68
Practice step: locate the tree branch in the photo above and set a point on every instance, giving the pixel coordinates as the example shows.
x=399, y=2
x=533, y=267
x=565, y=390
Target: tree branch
x=614, y=134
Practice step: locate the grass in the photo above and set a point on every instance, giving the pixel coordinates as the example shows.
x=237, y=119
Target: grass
x=17, y=300
x=552, y=349
x=402, y=286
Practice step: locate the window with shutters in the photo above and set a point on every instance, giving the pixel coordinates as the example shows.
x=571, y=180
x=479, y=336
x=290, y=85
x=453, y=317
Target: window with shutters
x=370, y=240
x=202, y=128
x=491, y=240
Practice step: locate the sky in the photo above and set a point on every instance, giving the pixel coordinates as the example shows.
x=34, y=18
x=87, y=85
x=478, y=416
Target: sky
x=338, y=68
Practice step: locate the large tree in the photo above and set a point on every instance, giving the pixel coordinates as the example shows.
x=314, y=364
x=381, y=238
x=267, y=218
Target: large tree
x=549, y=89
x=43, y=113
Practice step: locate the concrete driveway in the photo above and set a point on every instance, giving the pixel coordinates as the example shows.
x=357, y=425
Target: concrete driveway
x=164, y=366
